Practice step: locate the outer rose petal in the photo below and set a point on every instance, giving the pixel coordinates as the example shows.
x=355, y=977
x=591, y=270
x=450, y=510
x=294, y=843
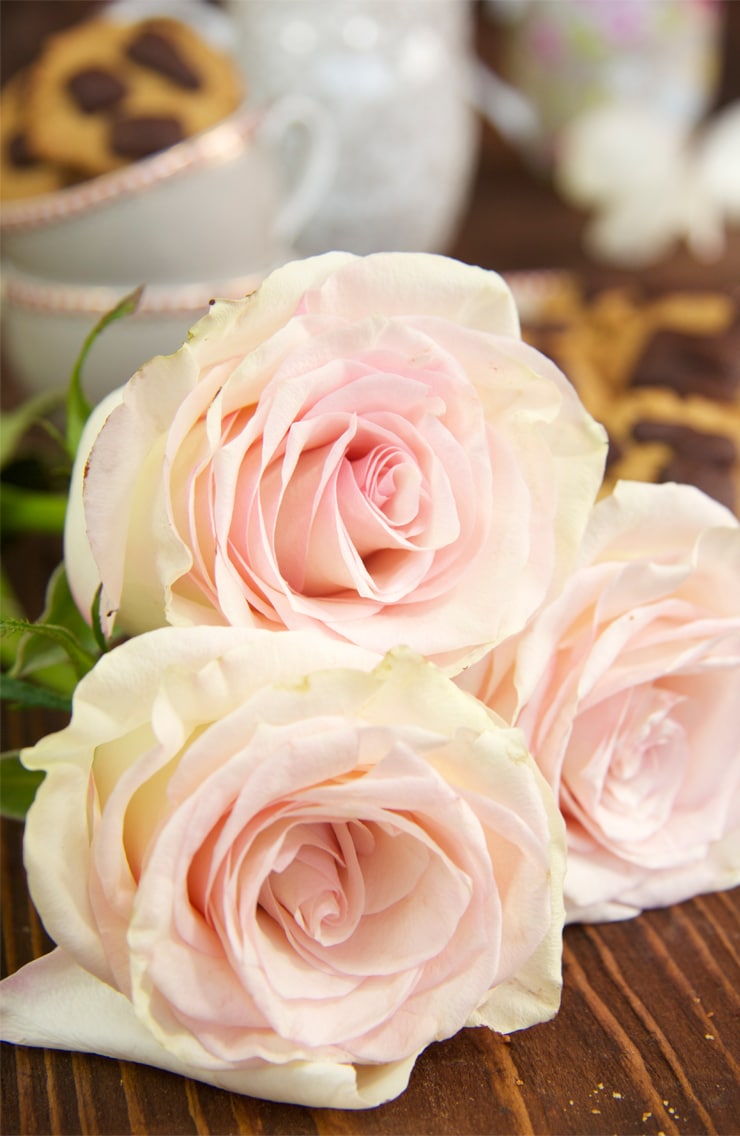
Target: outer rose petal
x=159, y=855
x=85, y=579
x=54, y=1003
x=106, y=708
x=469, y=296
x=627, y=687
x=187, y=494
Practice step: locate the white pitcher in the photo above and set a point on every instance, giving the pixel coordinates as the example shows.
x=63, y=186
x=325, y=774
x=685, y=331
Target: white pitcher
x=393, y=75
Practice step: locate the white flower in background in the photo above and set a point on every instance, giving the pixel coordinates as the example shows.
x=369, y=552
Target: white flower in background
x=651, y=181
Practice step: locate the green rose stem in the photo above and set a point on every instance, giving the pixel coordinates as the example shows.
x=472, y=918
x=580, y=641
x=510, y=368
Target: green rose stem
x=32, y=510
x=43, y=660
x=14, y=424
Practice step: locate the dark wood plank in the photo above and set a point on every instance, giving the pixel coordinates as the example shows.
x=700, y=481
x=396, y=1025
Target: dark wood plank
x=647, y=1040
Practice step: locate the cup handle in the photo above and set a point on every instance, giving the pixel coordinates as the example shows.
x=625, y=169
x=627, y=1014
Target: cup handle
x=311, y=182
x=506, y=109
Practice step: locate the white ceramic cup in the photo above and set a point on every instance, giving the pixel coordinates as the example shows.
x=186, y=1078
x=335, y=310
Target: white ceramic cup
x=45, y=324
x=211, y=207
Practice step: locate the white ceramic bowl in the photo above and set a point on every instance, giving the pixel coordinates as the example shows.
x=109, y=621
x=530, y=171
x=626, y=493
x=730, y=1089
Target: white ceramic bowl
x=45, y=324
x=209, y=208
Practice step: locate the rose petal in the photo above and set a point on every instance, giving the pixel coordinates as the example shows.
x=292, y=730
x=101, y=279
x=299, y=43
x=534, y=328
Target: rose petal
x=391, y=283
x=242, y=496
x=627, y=686
x=54, y=1003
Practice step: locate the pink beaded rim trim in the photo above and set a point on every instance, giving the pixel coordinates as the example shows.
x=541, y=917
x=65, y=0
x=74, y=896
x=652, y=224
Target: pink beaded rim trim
x=531, y=289
x=182, y=299
x=219, y=143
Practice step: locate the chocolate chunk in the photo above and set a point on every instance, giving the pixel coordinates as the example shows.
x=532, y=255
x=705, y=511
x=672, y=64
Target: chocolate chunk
x=690, y=364
x=155, y=51
x=139, y=136
x=95, y=89
x=19, y=154
x=693, y=445
x=713, y=480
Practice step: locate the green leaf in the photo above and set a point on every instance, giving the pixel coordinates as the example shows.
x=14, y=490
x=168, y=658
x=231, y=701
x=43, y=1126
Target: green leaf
x=18, y=785
x=30, y=696
x=10, y=607
x=51, y=633
x=14, y=424
x=60, y=607
x=78, y=408
x=31, y=510
x=59, y=647
x=96, y=622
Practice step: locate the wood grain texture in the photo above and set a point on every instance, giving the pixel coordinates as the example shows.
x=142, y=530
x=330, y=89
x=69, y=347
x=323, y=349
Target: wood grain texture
x=647, y=1040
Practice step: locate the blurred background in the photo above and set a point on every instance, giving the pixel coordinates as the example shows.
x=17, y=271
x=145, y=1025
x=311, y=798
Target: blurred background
x=601, y=136
x=594, y=141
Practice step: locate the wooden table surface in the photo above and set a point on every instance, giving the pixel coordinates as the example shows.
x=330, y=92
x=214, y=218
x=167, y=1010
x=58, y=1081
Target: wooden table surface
x=648, y=1036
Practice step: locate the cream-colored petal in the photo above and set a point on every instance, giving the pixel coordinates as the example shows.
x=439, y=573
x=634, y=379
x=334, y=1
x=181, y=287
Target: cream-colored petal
x=55, y=1004
x=82, y=571
x=408, y=284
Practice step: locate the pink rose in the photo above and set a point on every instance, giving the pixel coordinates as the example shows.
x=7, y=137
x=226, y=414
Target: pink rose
x=627, y=687
x=363, y=446
x=276, y=863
